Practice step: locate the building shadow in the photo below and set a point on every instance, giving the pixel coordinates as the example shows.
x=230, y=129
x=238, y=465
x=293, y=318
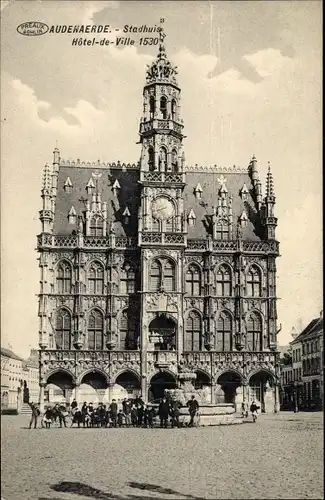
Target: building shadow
x=86, y=490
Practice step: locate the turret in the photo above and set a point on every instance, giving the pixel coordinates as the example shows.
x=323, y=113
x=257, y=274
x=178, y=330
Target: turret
x=46, y=214
x=269, y=201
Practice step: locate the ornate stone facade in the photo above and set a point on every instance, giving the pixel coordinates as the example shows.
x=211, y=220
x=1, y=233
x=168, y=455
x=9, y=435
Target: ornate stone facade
x=158, y=267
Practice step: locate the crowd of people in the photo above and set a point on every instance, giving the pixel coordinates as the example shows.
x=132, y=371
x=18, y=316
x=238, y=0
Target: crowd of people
x=131, y=413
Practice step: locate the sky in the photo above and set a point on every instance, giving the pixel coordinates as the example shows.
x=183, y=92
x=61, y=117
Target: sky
x=250, y=74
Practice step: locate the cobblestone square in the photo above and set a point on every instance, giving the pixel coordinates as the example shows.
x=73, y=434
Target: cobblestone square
x=280, y=457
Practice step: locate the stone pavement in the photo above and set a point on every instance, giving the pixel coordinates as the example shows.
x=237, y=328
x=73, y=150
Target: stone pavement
x=280, y=457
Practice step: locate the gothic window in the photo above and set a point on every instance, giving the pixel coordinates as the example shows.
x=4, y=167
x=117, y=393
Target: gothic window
x=254, y=282
x=152, y=106
x=127, y=329
x=96, y=226
x=155, y=276
x=163, y=159
x=193, y=280
x=162, y=275
x=224, y=332
x=151, y=160
x=96, y=279
x=63, y=329
x=222, y=230
x=193, y=337
x=63, y=279
x=163, y=107
x=95, y=330
x=254, y=332
x=174, y=160
x=174, y=108
x=127, y=279
x=224, y=288
x=169, y=276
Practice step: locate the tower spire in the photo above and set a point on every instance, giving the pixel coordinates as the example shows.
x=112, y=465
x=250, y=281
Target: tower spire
x=269, y=182
x=161, y=70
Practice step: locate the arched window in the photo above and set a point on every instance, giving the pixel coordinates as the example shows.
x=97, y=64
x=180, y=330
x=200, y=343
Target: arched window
x=63, y=329
x=224, y=288
x=162, y=275
x=96, y=226
x=174, y=109
x=254, y=332
x=63, y=279
x=193, y=337
x=96, y=279
x=222, y=230
x=224, y=332
x=174, y=160
x=193, y=280
x=254, y=282
x=127, y=283
x=152, y=106
x=163, y=159
x=151, y=159
x=127, y=329
x=163, y=107
x=95, y=330
x=169, y=276
x=155, y=276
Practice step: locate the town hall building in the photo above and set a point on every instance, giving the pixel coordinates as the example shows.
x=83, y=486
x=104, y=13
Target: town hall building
x=156, y=268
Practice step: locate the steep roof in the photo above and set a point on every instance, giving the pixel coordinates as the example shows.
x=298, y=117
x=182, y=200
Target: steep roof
x=10, y=354
x=314, y=327
x=128, y=195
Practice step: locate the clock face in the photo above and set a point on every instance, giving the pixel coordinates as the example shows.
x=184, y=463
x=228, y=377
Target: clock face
x=162, y=209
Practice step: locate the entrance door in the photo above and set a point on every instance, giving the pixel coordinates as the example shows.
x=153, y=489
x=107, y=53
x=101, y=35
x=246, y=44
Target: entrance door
x=159, y=383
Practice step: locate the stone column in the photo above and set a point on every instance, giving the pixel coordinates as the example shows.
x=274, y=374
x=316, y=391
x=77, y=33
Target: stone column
x=144, y=387
x=276, y=399
x=41, y=397
x=213, y=391
x=68, y=393
x=77, y=393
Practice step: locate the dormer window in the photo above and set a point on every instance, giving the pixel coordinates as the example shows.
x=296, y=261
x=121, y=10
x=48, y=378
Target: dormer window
x=116, y=187
x=198, y=191
x=244, y=193
x=243, y=219
x=163, y=107
x=72, y=216
x=191, y=218
x=68, y=186
x=126, y=216
x=223, y=191
x=90, y=186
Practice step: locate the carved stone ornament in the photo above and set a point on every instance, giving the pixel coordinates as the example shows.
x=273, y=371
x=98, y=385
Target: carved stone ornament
x=55, y=257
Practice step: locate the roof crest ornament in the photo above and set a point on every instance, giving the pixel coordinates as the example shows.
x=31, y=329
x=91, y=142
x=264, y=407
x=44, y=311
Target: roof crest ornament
x=85, y=164
x=216, y=169
x=161, y=69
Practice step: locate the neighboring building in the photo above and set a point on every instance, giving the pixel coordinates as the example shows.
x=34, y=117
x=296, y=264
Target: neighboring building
x=11, y=380
x=311, y=342
x=155, y=268
x=302, y=377
x=19, y=379
x=31, y=377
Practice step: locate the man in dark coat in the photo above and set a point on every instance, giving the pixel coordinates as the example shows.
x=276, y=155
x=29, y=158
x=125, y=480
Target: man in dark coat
x=35, y=414
x=193, y=407
x=163, y=412
x=175, y=412
x=74, y=404
x=113, y=412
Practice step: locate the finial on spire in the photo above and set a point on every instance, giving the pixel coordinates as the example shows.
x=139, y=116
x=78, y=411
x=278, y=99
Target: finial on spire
x=161, y=70
x=269, y=182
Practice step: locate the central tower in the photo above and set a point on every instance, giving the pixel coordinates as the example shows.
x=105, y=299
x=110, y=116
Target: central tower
x=162, y=226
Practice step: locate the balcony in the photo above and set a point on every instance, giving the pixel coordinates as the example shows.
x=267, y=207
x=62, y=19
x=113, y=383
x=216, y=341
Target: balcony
x=149, y=126
x=169, y=177
x=45, y=240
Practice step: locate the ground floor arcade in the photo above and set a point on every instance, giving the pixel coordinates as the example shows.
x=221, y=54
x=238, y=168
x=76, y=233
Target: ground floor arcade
x=95, y=386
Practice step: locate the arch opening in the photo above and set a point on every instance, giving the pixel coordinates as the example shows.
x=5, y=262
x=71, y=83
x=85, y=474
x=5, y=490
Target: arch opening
x=229, y=383
x=59, y=387
x=162, y=333
x=159, y=383
x=260, y=390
